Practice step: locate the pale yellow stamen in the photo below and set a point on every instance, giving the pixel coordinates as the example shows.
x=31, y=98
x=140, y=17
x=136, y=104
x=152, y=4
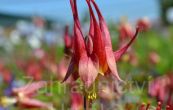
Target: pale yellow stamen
x=92, y=96
x=101, y=72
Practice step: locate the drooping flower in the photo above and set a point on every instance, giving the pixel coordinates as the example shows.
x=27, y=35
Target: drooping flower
x=23, y=97
x=144, y=23
x=94, y=54
x=81, y=64
x=119, y=53
x=162, y=88
x=125, y=31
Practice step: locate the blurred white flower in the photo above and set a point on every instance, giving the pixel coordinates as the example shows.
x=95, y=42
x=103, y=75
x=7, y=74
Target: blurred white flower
x=15, y=37
x=39, y=33
x=5, y=44
x=34, y=42
x=25, y=28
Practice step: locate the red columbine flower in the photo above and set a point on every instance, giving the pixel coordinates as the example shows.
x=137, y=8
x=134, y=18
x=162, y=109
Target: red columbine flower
x=82, y=64
x=23, y=96
x=93, y=55
x=125, y=32
x=162, y=88
x=144, y=23
x=118, y=54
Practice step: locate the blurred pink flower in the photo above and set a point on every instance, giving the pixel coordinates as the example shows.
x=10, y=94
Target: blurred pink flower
x=34, y=70
x=154, y=58
x=109, y=89
x=62, y=70
x=31, y=67
x=5, y=74
x=144, y=23
x=162, y=88
x=76, y=101
x=125, y=32
x=24, y=96
x=130, y=57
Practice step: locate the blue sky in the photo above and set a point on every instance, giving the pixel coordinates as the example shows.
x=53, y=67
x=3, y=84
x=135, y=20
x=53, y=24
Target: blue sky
x=60, y=9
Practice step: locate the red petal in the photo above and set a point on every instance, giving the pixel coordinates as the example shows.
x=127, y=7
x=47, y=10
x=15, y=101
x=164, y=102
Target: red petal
x=89, y=44
x=79, y=44
x=111, y=62
x=103, y=26
x=75, y=13
x=121, y=51
x=91, y=31
x=98, y=47
x=33, y=103
x=71, y=69
x=88, y=71
x=125, y=32
x=30, y=88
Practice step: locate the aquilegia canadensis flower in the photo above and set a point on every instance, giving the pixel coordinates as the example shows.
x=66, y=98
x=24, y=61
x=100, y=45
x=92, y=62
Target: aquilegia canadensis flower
x=93, y=55
x=125, y=31
x=162, y=89
x=144, y=23
x=24, y=96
